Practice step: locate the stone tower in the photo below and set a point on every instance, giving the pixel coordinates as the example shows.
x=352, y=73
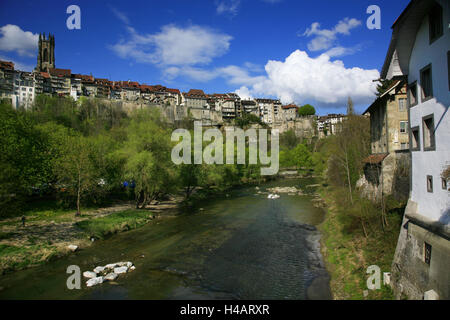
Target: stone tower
x=46, y=54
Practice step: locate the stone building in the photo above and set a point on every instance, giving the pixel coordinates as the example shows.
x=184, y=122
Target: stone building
x=289, y=112
x=6, y=80
x=386, y=170
x=250, y=107
x=269, y=110
x=46, y=53
x=329, y=124
x=419, y=51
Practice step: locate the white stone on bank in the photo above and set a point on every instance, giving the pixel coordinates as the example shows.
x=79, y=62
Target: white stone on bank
x=111, y=276
x=94, y=281
x=120, y=270
x=72, y=247
x=89, y=274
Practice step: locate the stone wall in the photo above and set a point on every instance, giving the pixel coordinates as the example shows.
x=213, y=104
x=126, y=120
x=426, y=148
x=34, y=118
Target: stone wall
x=391, y=177
x=412, y=276
x=303, y=127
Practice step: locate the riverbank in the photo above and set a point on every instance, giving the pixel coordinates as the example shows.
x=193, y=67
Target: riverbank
x=348, y=253
x=49, y=232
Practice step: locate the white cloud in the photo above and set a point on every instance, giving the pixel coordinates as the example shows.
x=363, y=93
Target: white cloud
x=231, y=7
x=227, y=7
x=174, y=45
x=342, y=51
x=120, y=15
x=301, y=78
x=324, y=39
x=244, y=93
x=13, y=38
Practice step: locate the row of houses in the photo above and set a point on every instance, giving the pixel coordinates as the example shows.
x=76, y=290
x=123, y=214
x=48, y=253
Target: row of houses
x=410, y=144
x=22, y=87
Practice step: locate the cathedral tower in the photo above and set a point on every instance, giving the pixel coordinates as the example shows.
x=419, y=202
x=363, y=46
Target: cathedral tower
x=46, y=54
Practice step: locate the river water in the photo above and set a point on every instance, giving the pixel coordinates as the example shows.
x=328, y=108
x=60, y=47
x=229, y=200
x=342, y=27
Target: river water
x=240, y=246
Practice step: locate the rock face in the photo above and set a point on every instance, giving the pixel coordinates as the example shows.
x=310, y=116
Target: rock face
x=72, y=247
x=94, y=281
x=89, y=274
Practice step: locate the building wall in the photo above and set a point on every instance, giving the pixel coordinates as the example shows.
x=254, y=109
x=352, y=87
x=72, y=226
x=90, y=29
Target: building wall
x=435, y=205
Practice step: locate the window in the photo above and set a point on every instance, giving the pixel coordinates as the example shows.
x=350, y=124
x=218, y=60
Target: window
x=403, y=126
x=427, y=253
x=412, y=94
x=401, y=104
x=428, y=133
x=426, y=83
x=435, y=22
x=429, y=183
x=403, y=146
x=444, y=183
x=415, y=139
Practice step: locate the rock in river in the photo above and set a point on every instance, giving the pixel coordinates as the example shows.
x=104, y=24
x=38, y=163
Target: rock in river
x=89, y=274
x=111, y=276
x=120, y=270
x=99, y=269
x=94, y=281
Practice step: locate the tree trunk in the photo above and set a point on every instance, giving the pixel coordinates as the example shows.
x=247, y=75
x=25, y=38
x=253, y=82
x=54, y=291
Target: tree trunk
x=78, y=194
x=348, y=178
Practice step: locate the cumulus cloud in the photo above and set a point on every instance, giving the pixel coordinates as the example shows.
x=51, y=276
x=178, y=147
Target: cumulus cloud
x=301, y=78
x=174, y=45
x=13, y=38
x=324, y=39
x=244, y=93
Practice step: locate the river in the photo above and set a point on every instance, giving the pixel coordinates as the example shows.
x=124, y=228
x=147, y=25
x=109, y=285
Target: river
x=240, y=246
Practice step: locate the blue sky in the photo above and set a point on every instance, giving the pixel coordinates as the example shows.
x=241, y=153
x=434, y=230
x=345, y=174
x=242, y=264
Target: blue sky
x=317, y=52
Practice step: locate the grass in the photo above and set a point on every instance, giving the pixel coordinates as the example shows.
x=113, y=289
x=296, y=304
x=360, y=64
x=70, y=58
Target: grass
x=115, y=222
x=20, y=257
x=21, y=248
x=348, y=252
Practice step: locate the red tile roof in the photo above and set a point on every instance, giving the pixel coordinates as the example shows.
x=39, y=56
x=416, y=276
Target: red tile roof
x=44, y=74
x=60, y=72
x=7, y=65
x=290, y=106
x=375, y=158
x=196, y=93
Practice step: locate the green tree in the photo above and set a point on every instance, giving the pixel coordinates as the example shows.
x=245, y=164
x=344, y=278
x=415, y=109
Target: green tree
x=23, y=158
x=147, y=157
x=306, y=110
x=75, y=168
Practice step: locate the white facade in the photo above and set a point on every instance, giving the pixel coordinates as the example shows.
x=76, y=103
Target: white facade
x=23, y=91
x=409, y=55
x=433, y=205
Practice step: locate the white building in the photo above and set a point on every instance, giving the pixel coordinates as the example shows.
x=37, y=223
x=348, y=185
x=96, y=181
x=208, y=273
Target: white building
x=269, y=110
x=24, y=90
x=420, y=52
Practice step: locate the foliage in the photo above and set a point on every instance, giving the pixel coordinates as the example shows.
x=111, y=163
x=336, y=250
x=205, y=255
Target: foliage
x=306, y=110
x=384, y=85
x=247, y=119
x=146, y=153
